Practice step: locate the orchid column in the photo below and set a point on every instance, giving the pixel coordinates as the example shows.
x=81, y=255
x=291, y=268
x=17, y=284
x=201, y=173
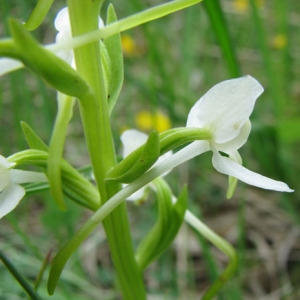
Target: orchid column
x=95, y=116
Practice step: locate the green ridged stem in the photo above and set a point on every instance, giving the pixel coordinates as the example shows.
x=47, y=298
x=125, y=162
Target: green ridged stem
x=96, y=123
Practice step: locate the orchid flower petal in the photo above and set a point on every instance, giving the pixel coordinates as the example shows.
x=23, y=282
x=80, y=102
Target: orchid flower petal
x=21, y=176
x=63, y=25
x=238, y=141
x=187, y=153
x=10, y=198
x=226, y=107
x=138, y=195
x=4, y=178
x=8, y=65
x=62, y=21
x=131, y=140
x=229, y=167
x=4, y=172
x=236, y=157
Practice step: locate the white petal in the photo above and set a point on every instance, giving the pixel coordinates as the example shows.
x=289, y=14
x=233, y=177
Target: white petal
x=62, y=20
x=4, y=178
x=227, y=166
x=236, y=157
x=21, y=176
x=10, y=198
x=4, y=172
x=138, y=195
x=4, y=163
x=131, y=140
x=226, y=107
x=8, y=65
x=238, y=141
x=185, y=154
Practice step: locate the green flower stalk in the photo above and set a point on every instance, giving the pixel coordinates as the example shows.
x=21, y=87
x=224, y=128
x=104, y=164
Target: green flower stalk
x=95, y=116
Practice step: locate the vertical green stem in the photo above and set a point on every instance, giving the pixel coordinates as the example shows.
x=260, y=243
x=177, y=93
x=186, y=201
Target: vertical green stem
x=22, y=281
x=95, y=117
x=65, y=110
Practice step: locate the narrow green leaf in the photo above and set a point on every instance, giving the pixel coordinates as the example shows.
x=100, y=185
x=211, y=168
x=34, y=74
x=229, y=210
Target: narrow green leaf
x=50, y=67
x=33, y=140
x=38, y=14
x=170, y=218
x=19, y=277
x=64, y=254
x=56, y=147
x=113, y=46
x=219, y=25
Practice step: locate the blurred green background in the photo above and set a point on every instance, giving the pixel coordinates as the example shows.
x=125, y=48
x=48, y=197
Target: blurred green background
x=169, y=64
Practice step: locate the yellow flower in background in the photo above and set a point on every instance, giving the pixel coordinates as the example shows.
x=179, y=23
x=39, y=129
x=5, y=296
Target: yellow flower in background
x=240, y=5
x=146, y=121
x=129, y=46
x=243, y=5
x=279, y=41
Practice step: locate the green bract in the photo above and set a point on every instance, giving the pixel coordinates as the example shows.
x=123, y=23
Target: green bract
x=171, y=213
x=51, y=68
x=137, y=162
x=113, y=47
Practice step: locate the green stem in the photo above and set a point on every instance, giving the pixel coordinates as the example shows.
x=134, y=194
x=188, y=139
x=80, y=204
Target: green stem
x=96, y=123
x=169, y=163
x=223, y=246
x=219, y=25
x=19, y=277
x=64, y=114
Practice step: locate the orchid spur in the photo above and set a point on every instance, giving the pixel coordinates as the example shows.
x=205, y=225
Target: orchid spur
x=11, y=192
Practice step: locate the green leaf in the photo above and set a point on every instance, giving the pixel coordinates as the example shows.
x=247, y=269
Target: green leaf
x=138, y=162
x=38, y=14
x=170, y=218
x=219, y=25
x=75, y=185
x=33, y=140
x=113, y=46
x=232, y=183
x=50, y=67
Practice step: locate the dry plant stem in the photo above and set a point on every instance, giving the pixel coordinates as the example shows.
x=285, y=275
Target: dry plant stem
x=96, y=122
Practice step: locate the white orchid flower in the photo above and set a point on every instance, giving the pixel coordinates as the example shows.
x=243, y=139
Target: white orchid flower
x=225, y=110
x=131, y=140
x=11, y=192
